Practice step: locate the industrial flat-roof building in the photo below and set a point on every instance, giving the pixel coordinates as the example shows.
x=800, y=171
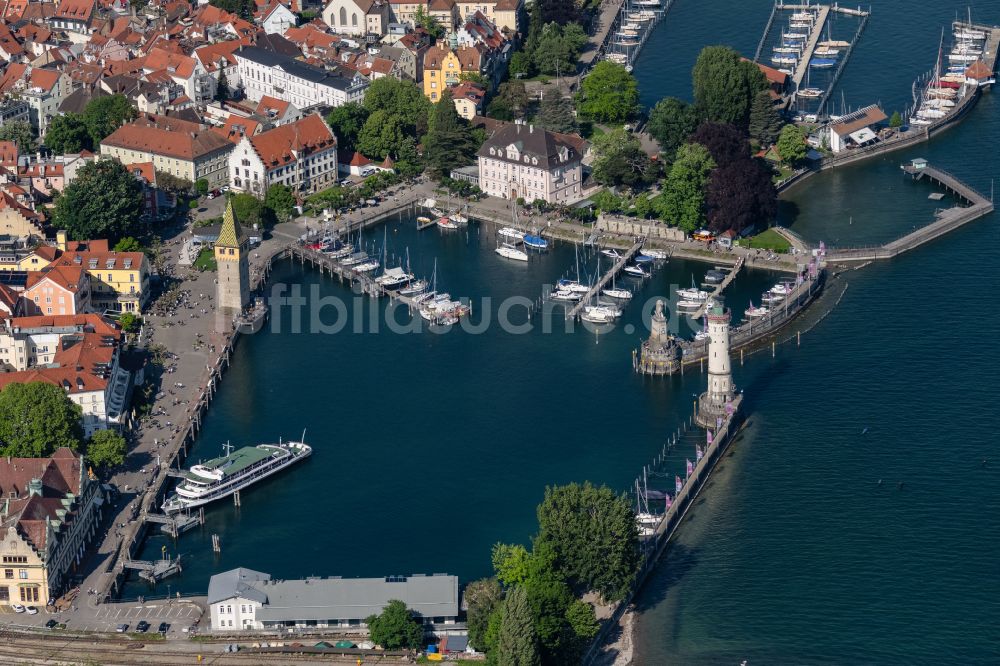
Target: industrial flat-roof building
x=244, y=599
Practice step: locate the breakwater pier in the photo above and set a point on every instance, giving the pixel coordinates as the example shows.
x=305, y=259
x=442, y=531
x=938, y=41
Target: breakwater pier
x=946, y=220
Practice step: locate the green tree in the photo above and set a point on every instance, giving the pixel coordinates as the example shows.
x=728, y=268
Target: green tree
x=671, y=122
x=346, y=122
x=222, y=86
x=609, y=94
x=517, y=643
x=765, y=120
x=242, y=8
x=103, y=201
x=37, y=418
x=643, y=206
x=682, y=201
x=402, y=98
x=556, y=49
x=251, y=211
x=106, y=448
x=725, y=85
x=792, y=145
x=520, y=65
x=103, y=115
x=395, y=627
x=128, y=244
x=582, y=622
x=21, y=133
x=593, y=535
x=619, y=159
x=201, y=187
x=510, y=101
x=483, y=597
x=896, y=120
x=559, y=11
x=449, y=142
x=281, y=201
x=381, y=135
x=129, y=322
x=555, y=113
x=510, y=562
x=67, y=134
x=168, y=181
x=408, y=161
x=422, y=19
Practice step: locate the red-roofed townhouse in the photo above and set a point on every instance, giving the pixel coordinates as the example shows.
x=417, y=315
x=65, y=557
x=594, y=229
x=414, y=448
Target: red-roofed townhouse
x=277, y=111
x=43, y=90
x=301, y=155
x=184, y=71
x=57, y=290
x=51, y=510
x=218, y=60
x=468, y=98
x=76, y=18
x=29, y=341
x=275, y=18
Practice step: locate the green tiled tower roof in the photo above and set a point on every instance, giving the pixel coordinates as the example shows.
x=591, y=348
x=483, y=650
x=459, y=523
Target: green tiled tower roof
x=231, y=234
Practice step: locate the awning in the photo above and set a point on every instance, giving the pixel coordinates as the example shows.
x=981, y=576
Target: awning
x=863, y=135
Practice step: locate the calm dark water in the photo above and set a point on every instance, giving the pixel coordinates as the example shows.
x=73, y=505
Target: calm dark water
x=430, y=448
x=798, y=554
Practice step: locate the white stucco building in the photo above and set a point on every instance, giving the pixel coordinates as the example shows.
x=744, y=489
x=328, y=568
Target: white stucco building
x=523, y=161
x=301, y=155
x=264, y=72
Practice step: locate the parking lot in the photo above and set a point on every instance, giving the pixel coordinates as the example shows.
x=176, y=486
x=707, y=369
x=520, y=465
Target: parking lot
x=106, y=617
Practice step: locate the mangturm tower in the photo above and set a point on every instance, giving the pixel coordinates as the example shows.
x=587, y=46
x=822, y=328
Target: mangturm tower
x=233, y=287
x=717, y=400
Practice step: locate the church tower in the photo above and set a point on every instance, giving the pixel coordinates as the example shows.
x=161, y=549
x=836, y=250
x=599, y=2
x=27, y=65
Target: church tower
x=231, y=254
x=713, y=402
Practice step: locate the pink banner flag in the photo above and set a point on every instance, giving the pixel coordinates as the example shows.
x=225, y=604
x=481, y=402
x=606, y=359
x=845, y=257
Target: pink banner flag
x=677, y=483
x=698, y=453
x=669, y=501
x=690, y=468
x=718, y=421
x=708, y=436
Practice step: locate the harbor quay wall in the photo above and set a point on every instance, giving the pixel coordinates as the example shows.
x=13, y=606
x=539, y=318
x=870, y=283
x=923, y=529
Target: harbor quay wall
x=673, y=518
x=630, y=226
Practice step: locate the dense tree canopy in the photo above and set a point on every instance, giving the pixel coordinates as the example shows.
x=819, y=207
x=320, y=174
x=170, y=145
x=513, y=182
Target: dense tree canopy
x=609, y=94
x=449, y=142
x=395, y=627
x=620, y=160
x=765, y=120
x=593, y=535
x=556, y=49
x=21, y=133
x=740, y=195
x=281, y=201
x=518, y=641
x=682, y=201
x=106, y=448
x=510, y=102
x=401, y=98
x=559, y=11
x=725, y=85
x=242, y=8
x=251, y=211
x=37, y=418
x=671, y=122
x=382, y=135
x=103, y=115
x=128, y=244
x=724, y=142
x=103, y=201
x=483, y=597
x=346, y=122
x=67, y=134
x=792, y=145
x=555, y=113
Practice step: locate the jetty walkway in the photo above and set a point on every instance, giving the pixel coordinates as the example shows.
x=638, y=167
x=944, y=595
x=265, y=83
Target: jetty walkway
x=719, y=288
x=946, y=220
x=600, y=284
x=822, y=12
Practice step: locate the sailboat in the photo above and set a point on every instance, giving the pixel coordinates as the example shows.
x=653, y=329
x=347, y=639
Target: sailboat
x=508, y=251
x=614, y=292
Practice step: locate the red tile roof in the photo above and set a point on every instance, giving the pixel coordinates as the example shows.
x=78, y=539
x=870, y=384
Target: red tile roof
x=68, y=277
x=269, y=104
x=285, y=144
x=161, y=135
x=236, y=127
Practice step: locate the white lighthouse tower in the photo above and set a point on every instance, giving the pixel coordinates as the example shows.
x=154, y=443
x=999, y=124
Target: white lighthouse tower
x=716, y=400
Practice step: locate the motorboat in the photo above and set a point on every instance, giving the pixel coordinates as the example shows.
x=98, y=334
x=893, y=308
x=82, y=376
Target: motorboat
x=701, y=335
x=605, y=308
x=771, y=299
x=508, y=251
x=393, y=278
x=693, y=293
x=939, y=103
x=620, y=294
x=572, y=285
x=415, y=287
x=809, y=93
x=611, y=252
x=714, y=276
x=784, y=59
x=686, y=304
x=754, y=312
x=636, y=271
x=794, y=36
x=355, y=259
x=596, y=315
x=963, y=57
x=535, y=242
x=787, y=49
x=643, y=259
x=943, y=93
x=447, y=223
x=834, y=44
x=822, y=63
x=511, y=234
x=422, y=298
x=826, y=53
x=565, y=296
x=437, y=212
x=803, y=16
x=458, y=218
x=654, y=253
x=931, y=114
x=366, y=267
x=423, y=219
x=801, y=25
x=782, y=289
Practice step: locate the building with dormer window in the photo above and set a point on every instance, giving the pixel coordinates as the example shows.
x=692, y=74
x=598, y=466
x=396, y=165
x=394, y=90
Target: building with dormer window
x=522, y=161
x=301, y=155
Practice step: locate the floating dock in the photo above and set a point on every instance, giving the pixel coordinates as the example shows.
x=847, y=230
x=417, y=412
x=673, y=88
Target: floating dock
x=719, y=288
x=156, y=570
x=605, y=279
x=614, y=44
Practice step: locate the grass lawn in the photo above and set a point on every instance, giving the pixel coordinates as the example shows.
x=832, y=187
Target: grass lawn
x=767, y=240
x=782, y=172
x=206, y=260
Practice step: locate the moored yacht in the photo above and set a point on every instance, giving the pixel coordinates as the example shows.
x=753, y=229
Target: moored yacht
x=508, y=251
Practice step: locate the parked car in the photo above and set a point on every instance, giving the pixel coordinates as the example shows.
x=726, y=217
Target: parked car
x=51, y=624
x=164, y=627
x=142, y=627
x=214, y=193
x=31, y=610
x=18, y=608
x=121, y=628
